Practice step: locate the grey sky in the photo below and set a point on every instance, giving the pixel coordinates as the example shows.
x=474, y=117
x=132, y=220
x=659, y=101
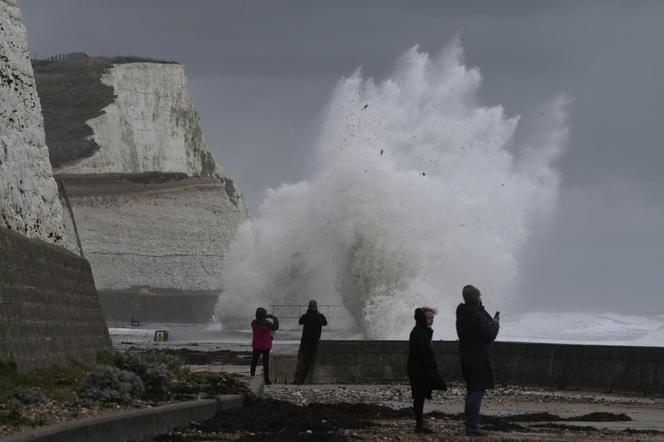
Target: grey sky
x=260, y=73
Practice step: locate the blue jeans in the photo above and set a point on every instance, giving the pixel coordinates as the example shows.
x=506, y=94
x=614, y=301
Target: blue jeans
x=472, y=410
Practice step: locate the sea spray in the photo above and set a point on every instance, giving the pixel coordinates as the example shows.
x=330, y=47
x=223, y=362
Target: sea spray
x=417, y=190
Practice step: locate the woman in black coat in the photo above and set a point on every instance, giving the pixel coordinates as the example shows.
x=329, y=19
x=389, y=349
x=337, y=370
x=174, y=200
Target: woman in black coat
x=422, y=367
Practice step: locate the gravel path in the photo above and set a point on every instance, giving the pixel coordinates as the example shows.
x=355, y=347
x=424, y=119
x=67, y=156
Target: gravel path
x=382, y=412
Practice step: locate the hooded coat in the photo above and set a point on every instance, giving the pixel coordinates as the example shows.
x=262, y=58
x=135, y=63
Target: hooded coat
x=476, y=330
x=313, y=323
x=422, y=367
x=262, y=330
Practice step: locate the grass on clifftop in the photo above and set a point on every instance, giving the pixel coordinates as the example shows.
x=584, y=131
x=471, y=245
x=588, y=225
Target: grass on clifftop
x=71, y=92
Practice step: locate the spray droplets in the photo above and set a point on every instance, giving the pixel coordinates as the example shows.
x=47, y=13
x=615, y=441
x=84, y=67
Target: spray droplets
x=401, y=236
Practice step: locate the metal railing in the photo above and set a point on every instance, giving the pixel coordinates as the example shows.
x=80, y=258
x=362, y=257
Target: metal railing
x=277, y=309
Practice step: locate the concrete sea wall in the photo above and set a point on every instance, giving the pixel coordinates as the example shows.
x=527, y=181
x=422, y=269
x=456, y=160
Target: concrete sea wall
x=589, y=367
x=147, y=304
x=49, y=311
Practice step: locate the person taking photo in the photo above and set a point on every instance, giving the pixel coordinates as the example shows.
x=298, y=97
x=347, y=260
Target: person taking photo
x=262, y=331
x=476, y=330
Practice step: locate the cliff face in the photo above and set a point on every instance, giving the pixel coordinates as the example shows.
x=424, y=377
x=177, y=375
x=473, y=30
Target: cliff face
x=150, y=126
x=29, y=201
x=124, y=115
x=165, y=231
x=49, y=310
x=145, y=202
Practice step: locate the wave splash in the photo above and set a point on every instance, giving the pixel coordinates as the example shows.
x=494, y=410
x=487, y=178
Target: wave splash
x=417, y=191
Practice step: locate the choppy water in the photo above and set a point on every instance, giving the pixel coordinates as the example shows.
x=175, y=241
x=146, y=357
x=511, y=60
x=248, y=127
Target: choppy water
x=570, y=328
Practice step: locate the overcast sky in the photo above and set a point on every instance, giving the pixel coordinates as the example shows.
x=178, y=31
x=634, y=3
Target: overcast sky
x=260, y=73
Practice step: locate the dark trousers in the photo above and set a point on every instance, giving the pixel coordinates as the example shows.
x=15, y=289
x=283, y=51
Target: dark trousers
x=266, y=363
x=472, y=409
x=418, y=406
x=305, y=360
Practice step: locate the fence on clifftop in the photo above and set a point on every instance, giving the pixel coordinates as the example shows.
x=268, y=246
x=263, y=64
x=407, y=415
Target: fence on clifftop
x=63, y=57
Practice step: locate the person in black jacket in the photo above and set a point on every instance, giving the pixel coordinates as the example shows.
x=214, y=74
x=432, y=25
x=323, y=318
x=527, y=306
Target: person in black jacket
x=476, y=330
x=313, y=323
x=422, y=368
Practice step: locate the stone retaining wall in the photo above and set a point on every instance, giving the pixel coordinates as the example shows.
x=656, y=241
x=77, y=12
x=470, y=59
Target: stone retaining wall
x=49, y=311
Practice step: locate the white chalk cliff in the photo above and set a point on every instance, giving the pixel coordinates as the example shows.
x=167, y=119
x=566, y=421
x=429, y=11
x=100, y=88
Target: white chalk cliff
x=152, y=126
x=29, y=201
x=146, y=202
x=160, y=231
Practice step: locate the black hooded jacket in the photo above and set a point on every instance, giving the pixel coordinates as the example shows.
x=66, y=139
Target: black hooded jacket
x=313, y=323
x=476, y=330
x=422, y=367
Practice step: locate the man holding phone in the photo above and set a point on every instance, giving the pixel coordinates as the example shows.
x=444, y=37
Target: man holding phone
x=476, y=330
x=313, y=323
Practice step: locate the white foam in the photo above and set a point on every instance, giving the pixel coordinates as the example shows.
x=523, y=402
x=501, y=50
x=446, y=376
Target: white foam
x=583, y=328
x=417, y=191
